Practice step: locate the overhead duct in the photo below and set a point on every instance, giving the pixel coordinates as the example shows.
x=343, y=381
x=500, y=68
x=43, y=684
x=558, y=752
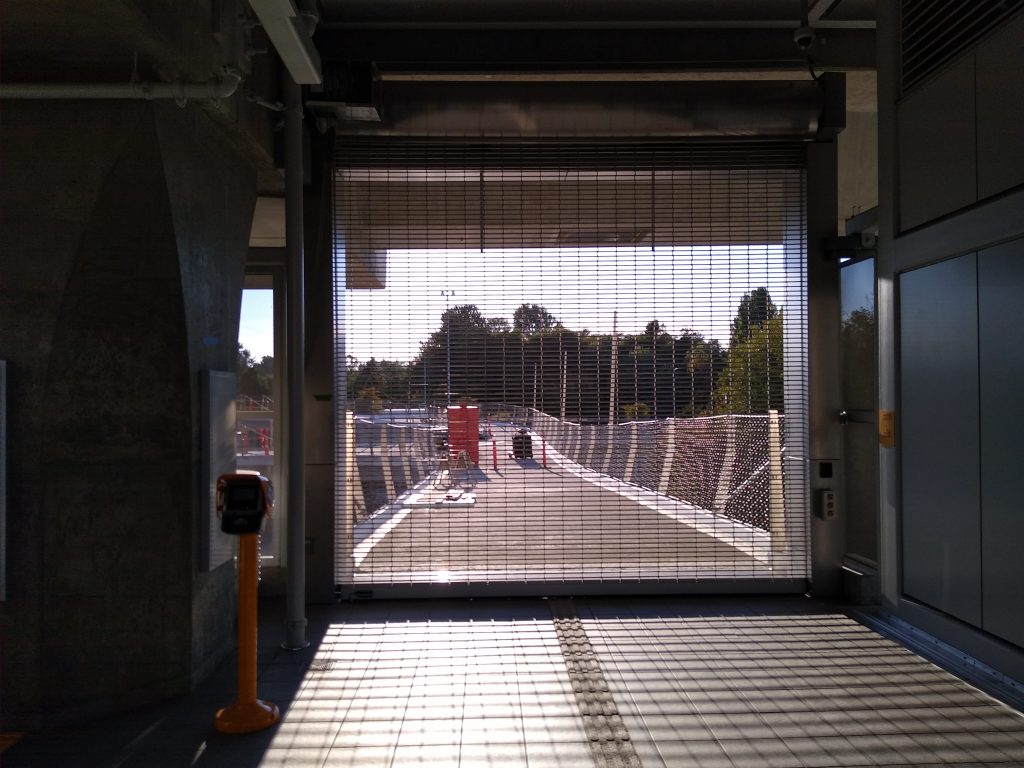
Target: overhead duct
x=773, y=109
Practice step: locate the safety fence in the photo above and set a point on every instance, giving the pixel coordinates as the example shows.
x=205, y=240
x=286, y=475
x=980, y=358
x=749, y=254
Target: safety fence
x=393, y=455
x=721, y=464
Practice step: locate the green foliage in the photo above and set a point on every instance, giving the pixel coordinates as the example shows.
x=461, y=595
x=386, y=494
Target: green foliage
x=532, y=318
x=752, y=380
x=255, y=379
x=389, y=379
x=756, y=308
x=700, y=364
x=370, y=400
x=537, y=362
x=860, y=358
x=635, y=411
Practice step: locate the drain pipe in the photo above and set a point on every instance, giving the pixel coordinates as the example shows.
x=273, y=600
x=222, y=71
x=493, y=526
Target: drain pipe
x=295, y=625
x=213, y=89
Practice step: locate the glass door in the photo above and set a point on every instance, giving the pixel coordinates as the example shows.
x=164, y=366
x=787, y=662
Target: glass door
x=859, y=360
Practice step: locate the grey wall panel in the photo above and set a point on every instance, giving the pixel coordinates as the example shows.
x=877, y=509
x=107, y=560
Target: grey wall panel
x=939, y=403
x=1000, y=105
x=1001, y=349
x=937, y=147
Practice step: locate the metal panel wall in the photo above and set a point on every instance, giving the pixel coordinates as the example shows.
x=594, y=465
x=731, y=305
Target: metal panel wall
x=1001, y=349
x=939, y=392
x=1000, y=106
x=937, y=147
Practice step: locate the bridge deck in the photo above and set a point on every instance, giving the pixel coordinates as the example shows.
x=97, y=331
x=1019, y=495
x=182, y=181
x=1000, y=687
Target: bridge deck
x=531, y=523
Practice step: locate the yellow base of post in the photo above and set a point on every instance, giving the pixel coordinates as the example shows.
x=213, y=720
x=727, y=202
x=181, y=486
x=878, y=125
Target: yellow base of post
x=246, y=717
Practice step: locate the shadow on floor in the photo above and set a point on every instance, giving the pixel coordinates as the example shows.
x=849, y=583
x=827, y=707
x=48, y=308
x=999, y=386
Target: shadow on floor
x=180, y=732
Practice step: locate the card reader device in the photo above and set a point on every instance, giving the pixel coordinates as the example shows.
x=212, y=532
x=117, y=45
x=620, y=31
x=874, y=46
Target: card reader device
x=244, y=502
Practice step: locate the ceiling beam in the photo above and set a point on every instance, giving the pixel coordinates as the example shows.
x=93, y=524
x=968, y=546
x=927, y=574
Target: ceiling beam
x=540, y=50
x=579, y=14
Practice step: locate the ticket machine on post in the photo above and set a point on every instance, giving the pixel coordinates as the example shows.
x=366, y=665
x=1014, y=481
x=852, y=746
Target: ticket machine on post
x=244, y=502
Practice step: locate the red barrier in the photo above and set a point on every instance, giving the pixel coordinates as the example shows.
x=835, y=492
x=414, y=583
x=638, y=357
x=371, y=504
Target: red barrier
x=543, y=452
x=464, y=431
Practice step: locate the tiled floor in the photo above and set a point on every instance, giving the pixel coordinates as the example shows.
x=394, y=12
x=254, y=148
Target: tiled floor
x=707, y=683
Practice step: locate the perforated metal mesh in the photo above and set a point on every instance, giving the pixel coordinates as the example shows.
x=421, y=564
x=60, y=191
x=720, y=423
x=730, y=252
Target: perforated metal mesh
x=625, y=326
x=933, y=33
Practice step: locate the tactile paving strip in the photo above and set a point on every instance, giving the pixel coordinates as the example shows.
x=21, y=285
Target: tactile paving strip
x=610, y=744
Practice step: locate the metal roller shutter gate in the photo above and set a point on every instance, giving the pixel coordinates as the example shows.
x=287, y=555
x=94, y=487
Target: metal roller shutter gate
x=637, y=309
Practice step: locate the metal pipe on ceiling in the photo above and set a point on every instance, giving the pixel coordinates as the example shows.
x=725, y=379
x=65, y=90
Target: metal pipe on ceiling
x=215, y=88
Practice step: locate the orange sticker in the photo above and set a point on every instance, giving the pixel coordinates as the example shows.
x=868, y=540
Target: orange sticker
x=887, y=429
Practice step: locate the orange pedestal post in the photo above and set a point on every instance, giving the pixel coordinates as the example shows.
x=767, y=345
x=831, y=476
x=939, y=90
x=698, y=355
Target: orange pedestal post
x=248, y=713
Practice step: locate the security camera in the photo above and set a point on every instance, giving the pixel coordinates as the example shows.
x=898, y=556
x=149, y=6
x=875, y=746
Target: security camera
x=804, y=38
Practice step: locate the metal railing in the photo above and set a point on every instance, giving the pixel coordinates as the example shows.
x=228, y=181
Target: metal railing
x=721, y=464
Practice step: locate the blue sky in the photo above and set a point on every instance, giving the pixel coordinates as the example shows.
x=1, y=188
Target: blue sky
x=256, y=328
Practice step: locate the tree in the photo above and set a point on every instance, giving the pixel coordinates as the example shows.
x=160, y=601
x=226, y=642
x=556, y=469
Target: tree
x=370, y=399
x=462, y=317
x=755, y=309
x=635, y=411
x=498, y=325
x=388, y=378
x=654, y=330
x=699, y=363
x=532, y=318
x=255, y=379
x=859, y=362
x=752, y=381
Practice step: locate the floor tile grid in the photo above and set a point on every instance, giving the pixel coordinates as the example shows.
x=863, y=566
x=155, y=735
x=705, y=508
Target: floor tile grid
x=786, y=717
x=790, y=698
x=462, y=687
x=552, y=735
x=328, y=700
x=665, y=726
x=430, y=730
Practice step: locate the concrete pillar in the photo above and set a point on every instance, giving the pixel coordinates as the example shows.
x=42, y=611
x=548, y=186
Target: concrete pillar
x=125, y=229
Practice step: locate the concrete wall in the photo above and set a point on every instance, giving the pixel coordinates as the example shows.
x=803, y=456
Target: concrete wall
x=125, y=230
